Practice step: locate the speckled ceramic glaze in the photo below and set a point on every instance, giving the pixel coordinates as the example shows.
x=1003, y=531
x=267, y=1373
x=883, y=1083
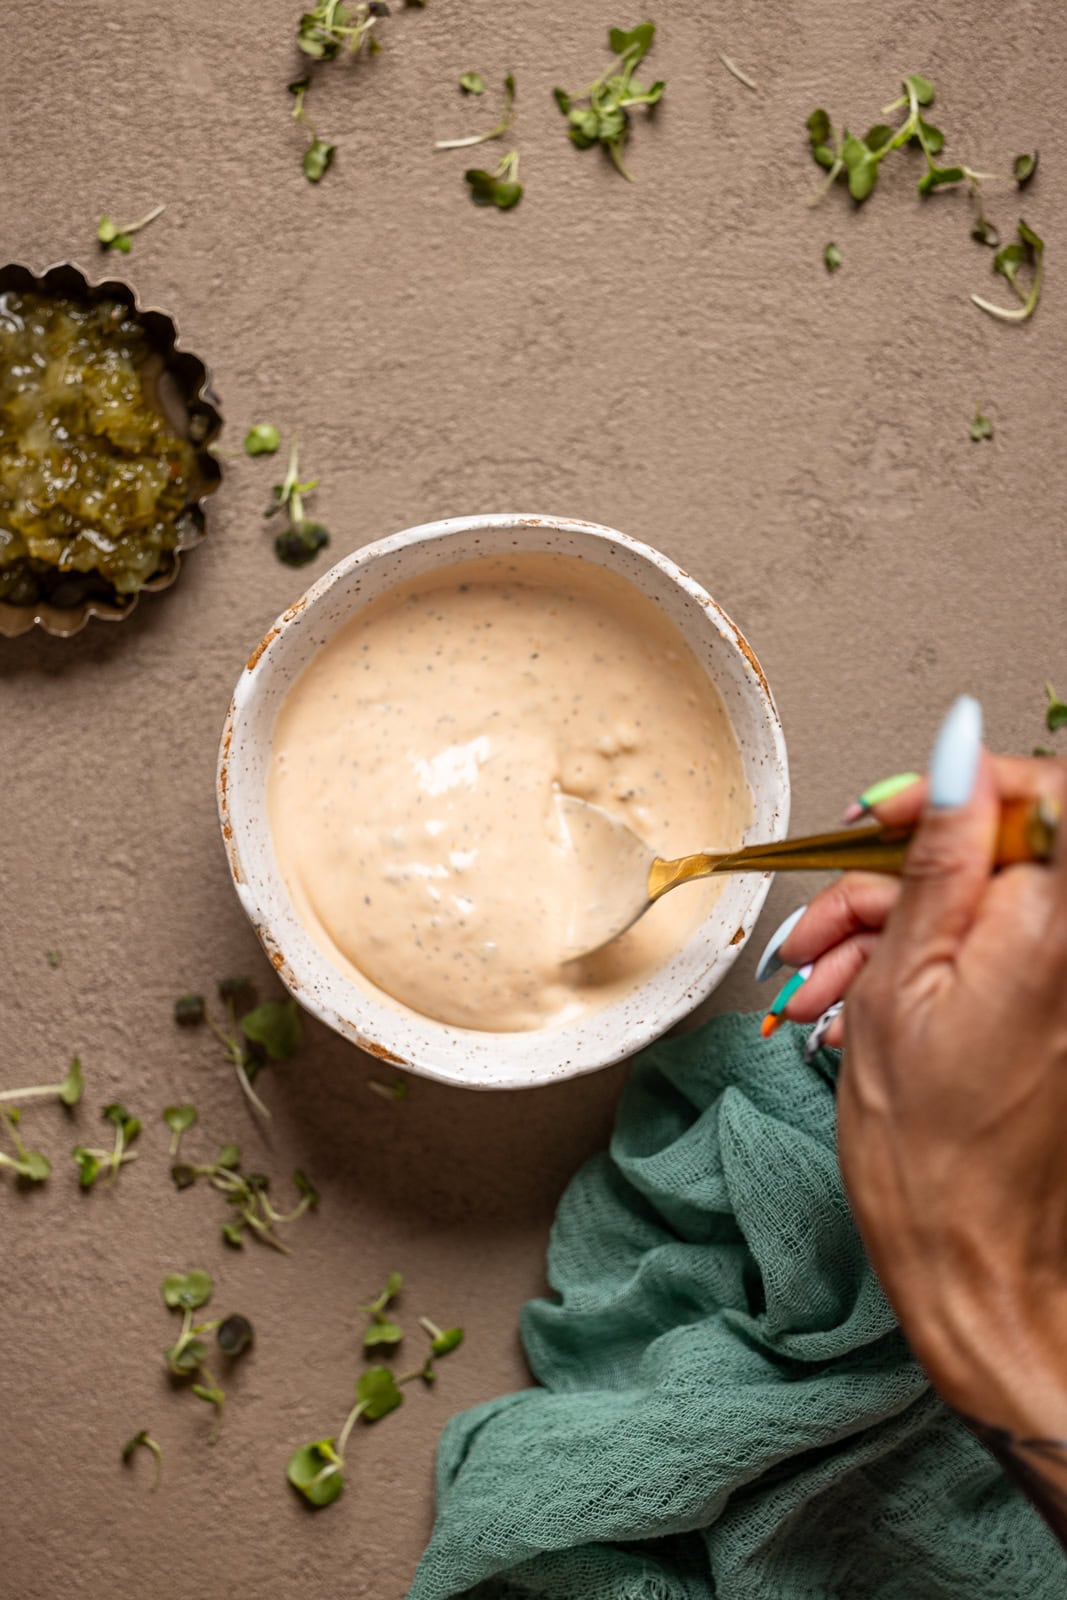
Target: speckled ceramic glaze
x=435, y=1049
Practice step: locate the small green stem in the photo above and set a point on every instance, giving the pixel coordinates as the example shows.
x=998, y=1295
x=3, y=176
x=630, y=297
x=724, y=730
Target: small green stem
x=42, y=1092
x=350, y=1422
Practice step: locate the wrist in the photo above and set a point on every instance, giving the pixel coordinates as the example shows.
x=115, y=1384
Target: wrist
x=998, y=1355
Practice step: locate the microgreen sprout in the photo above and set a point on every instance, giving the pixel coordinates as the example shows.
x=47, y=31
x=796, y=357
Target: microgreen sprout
x=382, y=1330
x=318, y=153
x=186, y=1357
x=442, y=1340
x=316, y=1470
x=832, y=257
x=601, y=113
x=981, y=428
x=302, y=540
x=30, y=1165
x=735, y=71
x=114, y=237
x=262, y=439
x=248, y=1194
x=399, y=1089
x=69, y=1089
x=144, y=1441
x=472, y=83
x=333, y=27
x=1027, y=250
x=179, y=1120
x=271, y=1031
x=857, y=160
x=494, y=133
x=500, y=188
x=1023, y=169
x=1055, y=711
x=93, y=1164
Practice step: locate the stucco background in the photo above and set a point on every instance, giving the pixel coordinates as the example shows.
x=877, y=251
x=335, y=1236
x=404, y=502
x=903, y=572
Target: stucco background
x=669, y=357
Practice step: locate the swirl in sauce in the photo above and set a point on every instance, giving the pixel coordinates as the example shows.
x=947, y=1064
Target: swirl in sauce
x=415, y=766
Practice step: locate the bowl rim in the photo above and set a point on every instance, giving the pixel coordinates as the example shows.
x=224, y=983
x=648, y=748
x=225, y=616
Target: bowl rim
x=199, y=397
x=369, y=1019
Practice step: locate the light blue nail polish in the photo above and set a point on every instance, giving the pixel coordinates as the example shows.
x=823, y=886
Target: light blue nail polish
x=954, y=761
x=788, y=990
x=770, y=962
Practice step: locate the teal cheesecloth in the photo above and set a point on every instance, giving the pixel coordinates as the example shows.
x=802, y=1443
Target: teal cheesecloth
x=728, y=1406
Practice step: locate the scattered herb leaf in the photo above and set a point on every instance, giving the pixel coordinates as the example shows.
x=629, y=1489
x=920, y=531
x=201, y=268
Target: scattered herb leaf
x=1028, y=251
x=187, y=1291
x=68, y=1090
x=333, y=27
x=832, y=257
x=276, y=1026
x=500, y=188
x=1023, y=169
x=495, y=133
x=93, y=1163
x=601, y=113
x=316, y=1471
x=981, y=428
x=472, y=83
x=29, y=1165
x=301, y=541
x=144, y=1441
x=112, y=236
x=262, y=439
x=189, y=1010
x=179, y=1120
x=1055, y=711
x=317, y=159
x=442, y=1340
x=234, y=1335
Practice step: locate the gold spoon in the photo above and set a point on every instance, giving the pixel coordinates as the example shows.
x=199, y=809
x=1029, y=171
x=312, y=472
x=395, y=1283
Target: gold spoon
x=617, y=876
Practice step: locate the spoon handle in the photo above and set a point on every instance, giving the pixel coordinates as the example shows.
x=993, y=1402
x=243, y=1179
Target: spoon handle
x=1027, y=832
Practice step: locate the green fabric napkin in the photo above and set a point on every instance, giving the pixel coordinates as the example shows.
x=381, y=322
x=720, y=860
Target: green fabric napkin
x=729, y=1408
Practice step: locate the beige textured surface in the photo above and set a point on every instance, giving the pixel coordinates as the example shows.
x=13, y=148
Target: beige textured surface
x=670, y=358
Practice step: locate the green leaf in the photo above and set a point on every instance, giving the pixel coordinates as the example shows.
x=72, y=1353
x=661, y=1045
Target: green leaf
x=123, y=244
x=300, y=543
x=393, y=1285
x=89, y=1166
x=922, y=88
x=214, y=1397
x=879, y=136
x=185, y=1291
x=981, y=428
x=447, y=1340
x=234, y=1335
x=378, y=1392
x=1023, y=169
x=832, y=257
x=73, y=1085
x=824, y=155
x=317, y=158
x=1031, y=239
x=229, y=1158
x=472, y=83
x=106, y=231
x=488, y=190
x=634, y=45
x=1055, y=711
x=182, y=1175
x=185, y=1357
x=189, y=1010
x=233, y=1233
x=179, y=1119
x=276, y=1026
x=34, y=1166
x=116, y=1112
x=237, y=990
x=315, y=1471
x=562, y=99
x=985, y=233
x=934, y=138
x=861, y=166
x=820, y=128
x=306, y=1188
x=382, y=1333
x=939, y=177
x=262, y=439
x=1008, y=260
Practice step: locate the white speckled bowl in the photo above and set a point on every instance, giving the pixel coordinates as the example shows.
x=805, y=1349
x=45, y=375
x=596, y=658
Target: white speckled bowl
x=478, y=1060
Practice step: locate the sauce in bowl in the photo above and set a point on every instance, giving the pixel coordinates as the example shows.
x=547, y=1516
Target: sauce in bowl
x=415, y=767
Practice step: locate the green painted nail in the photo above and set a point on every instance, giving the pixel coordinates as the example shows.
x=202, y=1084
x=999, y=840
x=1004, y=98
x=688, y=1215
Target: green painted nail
x=887, y=788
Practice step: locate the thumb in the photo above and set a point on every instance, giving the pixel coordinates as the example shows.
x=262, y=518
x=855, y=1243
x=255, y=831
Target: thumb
x=950, y=860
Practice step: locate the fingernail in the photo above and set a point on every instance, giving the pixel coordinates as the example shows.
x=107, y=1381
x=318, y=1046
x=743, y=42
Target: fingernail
x=774, y=1019
x=770, y=961
x=954, y=761
x=877, y=793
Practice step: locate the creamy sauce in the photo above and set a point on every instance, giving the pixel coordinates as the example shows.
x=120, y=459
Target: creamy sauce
x=415, y=769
